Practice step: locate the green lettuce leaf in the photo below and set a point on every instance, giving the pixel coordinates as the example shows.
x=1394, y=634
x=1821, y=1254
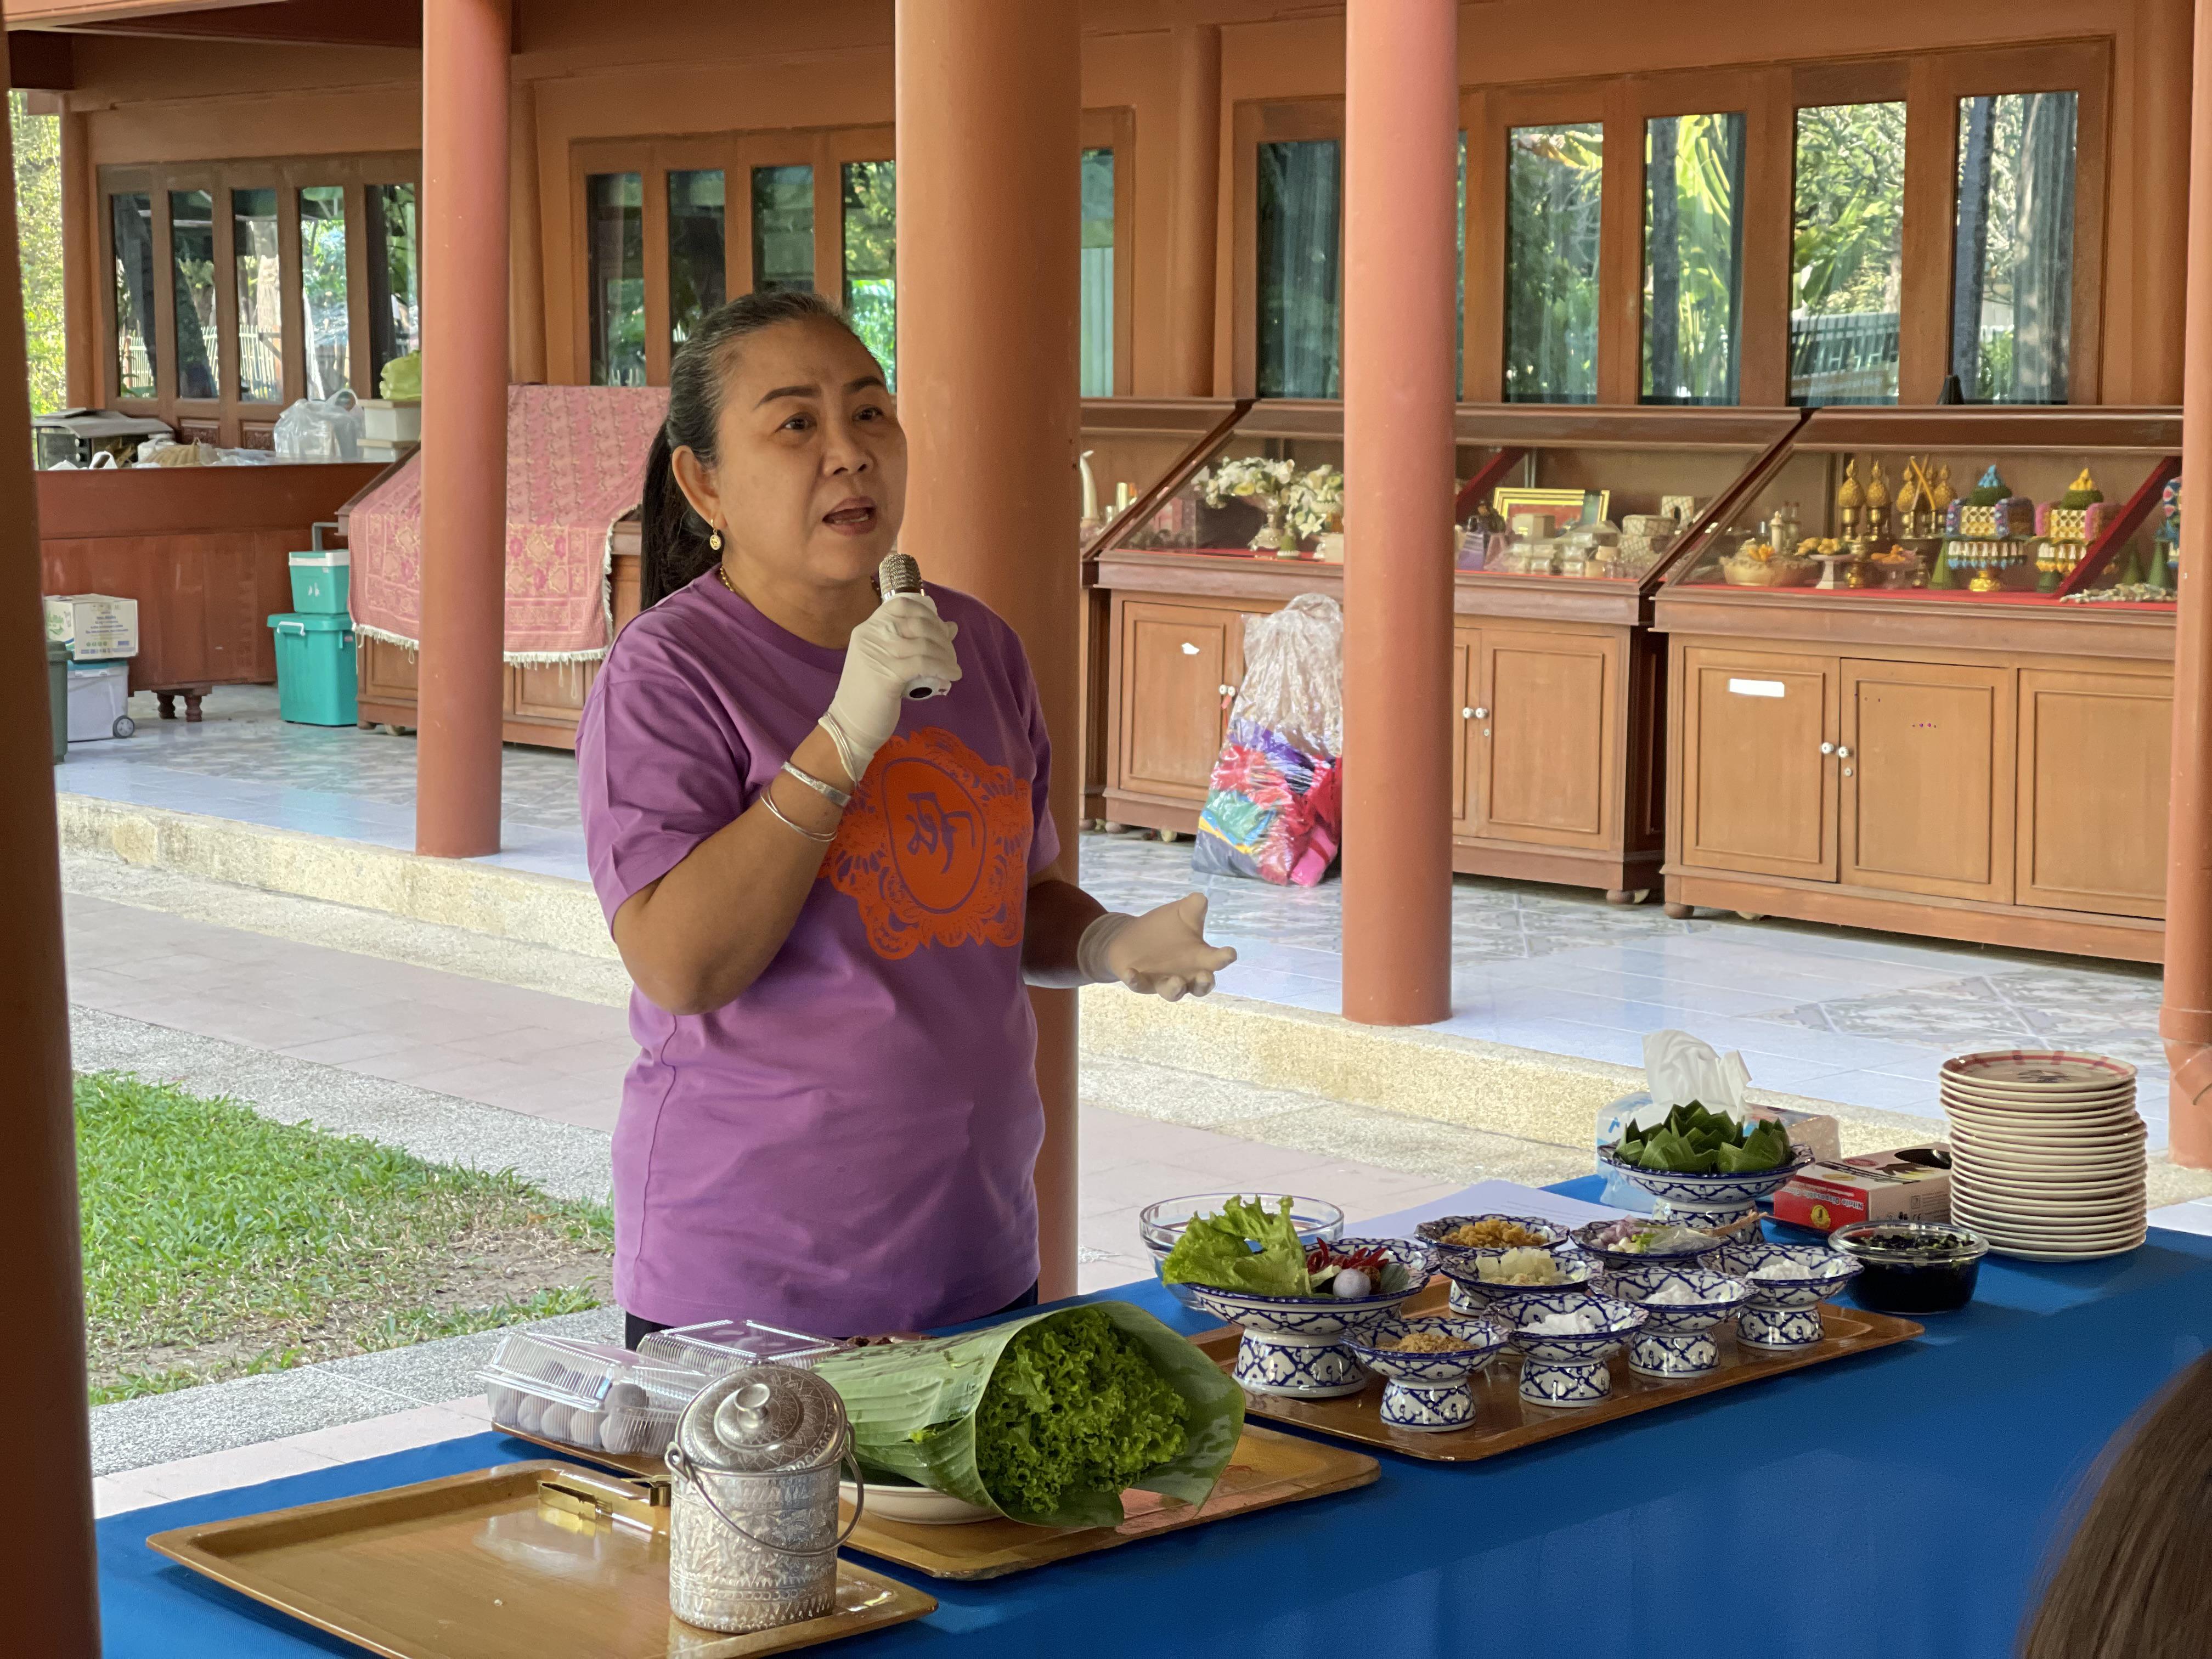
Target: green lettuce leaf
x=1054, y=1445
x=1214, y=1250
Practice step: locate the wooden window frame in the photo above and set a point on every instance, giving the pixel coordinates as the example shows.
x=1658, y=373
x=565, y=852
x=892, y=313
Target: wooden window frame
x=1929, y=85
x=826, y=149
x=226, y=419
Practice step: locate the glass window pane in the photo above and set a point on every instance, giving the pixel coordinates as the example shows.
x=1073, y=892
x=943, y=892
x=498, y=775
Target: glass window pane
x=1097, y=303
x=1554, y=178
x=260, y=296
x=395, y=313
x=2012, y=284
x=870, y=260
x=783, y=228
x=1693, y=258
x=613, y=229
x=1848, y=261
x=323, y=288
x=1459, y=278
x=132, y=219
x=192, y=273
x=696, y=266
x=1301, y=291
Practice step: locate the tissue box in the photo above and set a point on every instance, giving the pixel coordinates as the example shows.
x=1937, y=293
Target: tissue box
x=1903, y=1185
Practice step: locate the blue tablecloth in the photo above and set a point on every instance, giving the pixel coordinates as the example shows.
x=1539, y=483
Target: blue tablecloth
x=1900, y=1502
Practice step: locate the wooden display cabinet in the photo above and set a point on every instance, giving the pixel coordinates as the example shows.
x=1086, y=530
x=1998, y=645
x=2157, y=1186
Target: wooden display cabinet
x=1557, y=682
x=1987, y=766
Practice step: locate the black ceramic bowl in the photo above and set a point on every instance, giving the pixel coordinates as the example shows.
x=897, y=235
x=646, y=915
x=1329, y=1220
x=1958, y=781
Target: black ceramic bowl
x=1912, y=1267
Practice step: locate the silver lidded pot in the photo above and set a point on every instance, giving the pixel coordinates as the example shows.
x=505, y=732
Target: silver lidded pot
x=753, y=1539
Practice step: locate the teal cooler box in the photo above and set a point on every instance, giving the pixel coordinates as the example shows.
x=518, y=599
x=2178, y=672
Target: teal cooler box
x=321, y=578
x=315, y=673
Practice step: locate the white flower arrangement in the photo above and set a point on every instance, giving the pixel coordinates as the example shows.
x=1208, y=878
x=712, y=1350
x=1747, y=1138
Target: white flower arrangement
x=1308, y=504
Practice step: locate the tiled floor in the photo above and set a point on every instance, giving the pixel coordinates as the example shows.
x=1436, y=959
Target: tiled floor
x=1864, y=1018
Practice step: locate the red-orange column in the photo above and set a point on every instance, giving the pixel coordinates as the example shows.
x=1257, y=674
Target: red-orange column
x=1402, y=126
x=48, y=1604
x=989, y=103
x=464, y=347
x=2186, y=1021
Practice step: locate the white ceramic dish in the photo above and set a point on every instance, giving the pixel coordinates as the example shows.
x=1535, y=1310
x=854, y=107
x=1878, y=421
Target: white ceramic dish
x=917, y=1506
x=2019, y=1213
x=2041, y=1117
x=2049, y=1168
x=2030, y=1255
x=2002, y=1193
x=2039, y=1125
x=2035, y=1071
x=2042, y=1236
x=2056, y=1099
x=2004, y=1138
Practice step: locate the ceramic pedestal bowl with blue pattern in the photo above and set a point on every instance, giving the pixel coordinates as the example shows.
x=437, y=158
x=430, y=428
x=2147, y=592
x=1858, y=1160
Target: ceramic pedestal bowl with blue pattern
x=1784, y=1308
x=1549, y=1236
x=1585, y=1240
x=1294, y=1344
x=1428, y=1391
x=1710, y=1201
x=1571, y=1369
x=1508, y=1304
x=1676, y=1340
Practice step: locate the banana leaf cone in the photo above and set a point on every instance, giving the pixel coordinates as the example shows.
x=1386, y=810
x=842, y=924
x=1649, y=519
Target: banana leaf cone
x=915, y=1406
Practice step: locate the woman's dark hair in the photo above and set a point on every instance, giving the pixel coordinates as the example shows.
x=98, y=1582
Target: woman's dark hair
x=673, y=540
x=2134, y=1583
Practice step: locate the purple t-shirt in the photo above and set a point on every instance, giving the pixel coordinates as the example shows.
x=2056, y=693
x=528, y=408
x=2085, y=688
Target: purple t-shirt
x=849, y=1146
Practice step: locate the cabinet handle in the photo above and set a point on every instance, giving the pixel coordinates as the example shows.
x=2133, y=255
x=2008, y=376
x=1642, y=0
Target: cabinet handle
x=1226, y=690
x=1843, y=751
x=1467, y=714
x=1482, y=713
x=1827, y=748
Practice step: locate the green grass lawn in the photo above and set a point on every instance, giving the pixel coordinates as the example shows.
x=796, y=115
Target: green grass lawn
x=217, y=1244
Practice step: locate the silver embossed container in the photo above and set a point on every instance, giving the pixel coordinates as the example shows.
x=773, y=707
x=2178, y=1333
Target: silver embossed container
x=753, y=1540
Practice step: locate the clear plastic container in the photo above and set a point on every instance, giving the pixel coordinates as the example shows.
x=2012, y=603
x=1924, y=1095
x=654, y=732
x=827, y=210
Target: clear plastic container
x=722, y=1345
x=591, y=1396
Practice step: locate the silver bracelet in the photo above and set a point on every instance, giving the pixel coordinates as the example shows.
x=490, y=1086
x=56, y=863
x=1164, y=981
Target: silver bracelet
x=837, y=798
x=776, y=812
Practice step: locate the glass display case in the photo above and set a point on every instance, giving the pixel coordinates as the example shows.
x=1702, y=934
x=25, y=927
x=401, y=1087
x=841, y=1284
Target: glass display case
x=1963, y=506
x=1583, y=496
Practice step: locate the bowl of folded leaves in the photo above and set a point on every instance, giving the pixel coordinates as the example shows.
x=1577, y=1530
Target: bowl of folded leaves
x=1707, y=1168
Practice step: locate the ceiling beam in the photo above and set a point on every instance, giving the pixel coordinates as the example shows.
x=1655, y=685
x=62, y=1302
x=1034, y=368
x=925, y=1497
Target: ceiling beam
x=39, y=61
x=305, y=22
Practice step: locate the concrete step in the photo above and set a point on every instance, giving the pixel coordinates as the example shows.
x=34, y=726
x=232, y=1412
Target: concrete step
x=1421, y=1101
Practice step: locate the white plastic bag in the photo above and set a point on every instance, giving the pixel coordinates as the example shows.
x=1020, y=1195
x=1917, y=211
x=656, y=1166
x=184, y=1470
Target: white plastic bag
x=328, y=429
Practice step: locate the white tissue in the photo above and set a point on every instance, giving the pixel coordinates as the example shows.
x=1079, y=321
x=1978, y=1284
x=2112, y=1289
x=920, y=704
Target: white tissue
x=1679, y=1068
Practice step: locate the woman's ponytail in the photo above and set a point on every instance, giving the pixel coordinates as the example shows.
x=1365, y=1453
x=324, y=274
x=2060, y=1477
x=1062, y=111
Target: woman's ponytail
x=673, y=550
x=673, y=541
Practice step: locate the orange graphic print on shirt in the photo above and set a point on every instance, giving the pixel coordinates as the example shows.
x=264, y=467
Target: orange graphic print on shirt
x=934, y=848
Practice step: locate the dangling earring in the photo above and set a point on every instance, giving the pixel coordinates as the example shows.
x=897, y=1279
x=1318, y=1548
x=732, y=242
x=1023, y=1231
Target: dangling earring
x=715, y=540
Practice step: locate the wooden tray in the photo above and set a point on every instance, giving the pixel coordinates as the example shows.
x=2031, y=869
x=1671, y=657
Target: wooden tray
x=1267, y=1469
x=478, y=1566
x=1504, y=1421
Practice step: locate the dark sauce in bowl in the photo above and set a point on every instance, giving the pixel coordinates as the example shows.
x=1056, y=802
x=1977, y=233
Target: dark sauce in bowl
x=1912, y=1267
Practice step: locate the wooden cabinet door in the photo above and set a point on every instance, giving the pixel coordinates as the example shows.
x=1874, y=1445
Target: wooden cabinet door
x=1758, y=792
x=387, y=671
x=2093, y=760
x=1924, y=766
x=1175, y=660
x=1467, y=646
x=1546, y=761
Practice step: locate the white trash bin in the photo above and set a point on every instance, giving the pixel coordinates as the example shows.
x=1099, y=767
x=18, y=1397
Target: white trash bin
x=98, y=694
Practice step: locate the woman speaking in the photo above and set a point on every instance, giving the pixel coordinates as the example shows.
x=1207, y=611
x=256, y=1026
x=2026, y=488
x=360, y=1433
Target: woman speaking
x=828, y=894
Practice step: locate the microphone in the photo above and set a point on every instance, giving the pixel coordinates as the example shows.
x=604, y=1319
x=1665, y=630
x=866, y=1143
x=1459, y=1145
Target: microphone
x=899, y=573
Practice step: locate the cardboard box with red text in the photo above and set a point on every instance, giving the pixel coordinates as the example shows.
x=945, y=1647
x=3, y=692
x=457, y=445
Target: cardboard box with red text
x=1912, y=1183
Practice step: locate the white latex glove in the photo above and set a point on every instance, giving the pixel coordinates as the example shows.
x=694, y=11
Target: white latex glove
x=905, y=640
x=1162, y=953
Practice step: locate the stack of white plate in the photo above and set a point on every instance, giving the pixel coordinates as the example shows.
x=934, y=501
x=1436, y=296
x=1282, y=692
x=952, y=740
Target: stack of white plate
x=2047, y=1153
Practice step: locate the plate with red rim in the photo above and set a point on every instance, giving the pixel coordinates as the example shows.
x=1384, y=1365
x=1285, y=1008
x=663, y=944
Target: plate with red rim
x=2038, y=1071
x=2040, y=1108
x=2117, y=1126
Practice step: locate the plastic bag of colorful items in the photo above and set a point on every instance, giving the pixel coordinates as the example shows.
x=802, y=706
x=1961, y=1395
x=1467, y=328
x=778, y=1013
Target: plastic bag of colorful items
x=1273, y=807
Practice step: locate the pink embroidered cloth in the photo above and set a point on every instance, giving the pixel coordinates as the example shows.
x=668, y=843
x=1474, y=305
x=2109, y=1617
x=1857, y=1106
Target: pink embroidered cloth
x=575, y=463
